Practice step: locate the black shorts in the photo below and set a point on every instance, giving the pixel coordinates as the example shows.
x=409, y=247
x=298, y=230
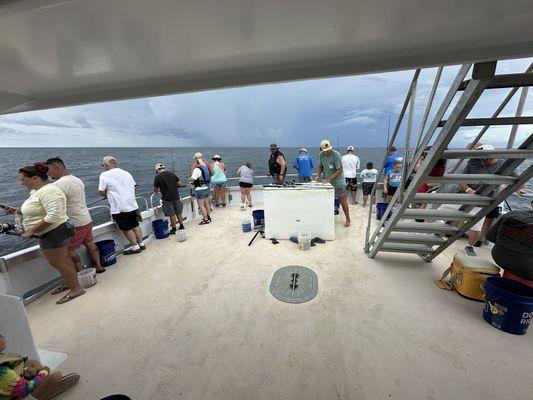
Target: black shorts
x=391, y=190
x=127, y=220
x=351, y=184
x=367, y=188
x=245, y=185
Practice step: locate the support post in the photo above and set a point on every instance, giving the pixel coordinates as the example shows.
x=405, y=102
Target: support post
x=519, y=110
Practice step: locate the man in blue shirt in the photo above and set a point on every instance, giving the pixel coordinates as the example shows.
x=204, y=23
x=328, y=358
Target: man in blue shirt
x=391, y=159
x=304, y=165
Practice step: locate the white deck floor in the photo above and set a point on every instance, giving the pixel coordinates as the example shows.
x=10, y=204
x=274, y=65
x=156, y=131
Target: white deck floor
x=195, y=320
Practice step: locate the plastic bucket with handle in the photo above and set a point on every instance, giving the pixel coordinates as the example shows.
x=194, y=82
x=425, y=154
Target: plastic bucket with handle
x=380, y=210
x=259, y=219
x=108, y=256
x=508, y=305
x=160, y=227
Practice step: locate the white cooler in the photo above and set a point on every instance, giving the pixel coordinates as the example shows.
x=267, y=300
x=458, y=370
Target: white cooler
x=306, y=208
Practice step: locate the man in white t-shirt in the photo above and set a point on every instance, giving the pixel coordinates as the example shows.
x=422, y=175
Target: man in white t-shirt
x=350, y=165
x=118, y=186
x=77, y=212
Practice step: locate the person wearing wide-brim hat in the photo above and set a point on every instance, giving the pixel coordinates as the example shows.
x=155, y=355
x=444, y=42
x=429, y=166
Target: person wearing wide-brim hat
x=277, y=166
x=331, y=166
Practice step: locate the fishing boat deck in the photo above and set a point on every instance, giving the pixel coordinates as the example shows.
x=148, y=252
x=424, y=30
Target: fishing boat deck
x=195, y=320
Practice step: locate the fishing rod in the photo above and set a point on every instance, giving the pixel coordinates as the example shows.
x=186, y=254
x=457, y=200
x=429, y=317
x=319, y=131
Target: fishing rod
x=11, y=229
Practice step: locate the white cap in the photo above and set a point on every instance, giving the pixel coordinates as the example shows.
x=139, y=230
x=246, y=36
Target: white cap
x=303, y=149
x=485, y=147
x=109, y=160
x=349, y=148
x=198, y=155
x=216, y=157
x=159, y=166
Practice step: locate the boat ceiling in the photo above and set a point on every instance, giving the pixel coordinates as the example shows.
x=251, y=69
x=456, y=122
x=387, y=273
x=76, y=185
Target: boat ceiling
x=65, y=52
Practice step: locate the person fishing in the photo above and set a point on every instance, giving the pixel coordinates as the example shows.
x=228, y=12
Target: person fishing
x=45, y=215
x=200, y=178
x=277, y=166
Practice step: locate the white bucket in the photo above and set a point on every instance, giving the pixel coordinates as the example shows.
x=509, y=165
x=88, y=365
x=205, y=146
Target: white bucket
x=304, y=241
x=87, y=277
x=181, y=236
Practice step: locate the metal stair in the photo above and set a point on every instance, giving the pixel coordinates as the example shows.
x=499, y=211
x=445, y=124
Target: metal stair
x=435, y=228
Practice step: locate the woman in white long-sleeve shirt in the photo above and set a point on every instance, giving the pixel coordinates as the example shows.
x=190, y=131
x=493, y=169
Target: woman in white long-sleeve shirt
x=45, y=215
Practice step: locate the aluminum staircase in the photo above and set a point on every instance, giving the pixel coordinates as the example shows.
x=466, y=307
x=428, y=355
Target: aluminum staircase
x=402, y=233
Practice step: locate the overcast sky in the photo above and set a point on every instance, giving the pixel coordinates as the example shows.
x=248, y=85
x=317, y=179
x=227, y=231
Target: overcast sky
x=350, y=110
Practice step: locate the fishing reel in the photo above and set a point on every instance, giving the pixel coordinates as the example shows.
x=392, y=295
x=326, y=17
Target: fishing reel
x=7, y=227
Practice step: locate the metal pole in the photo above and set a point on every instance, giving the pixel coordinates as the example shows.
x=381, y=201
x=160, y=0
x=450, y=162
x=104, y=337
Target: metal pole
x=428, y=106
x=408, y=138
x=519, y=110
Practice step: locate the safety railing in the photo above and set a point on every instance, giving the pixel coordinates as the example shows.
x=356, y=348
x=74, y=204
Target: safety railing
x=102, y=206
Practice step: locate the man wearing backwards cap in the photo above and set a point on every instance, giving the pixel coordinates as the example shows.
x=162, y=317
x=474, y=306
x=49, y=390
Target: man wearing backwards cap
x=167, y=182
x=304, y=165
x=277, y=167
x=482, y=166
x=119, y=188
x=331, y=165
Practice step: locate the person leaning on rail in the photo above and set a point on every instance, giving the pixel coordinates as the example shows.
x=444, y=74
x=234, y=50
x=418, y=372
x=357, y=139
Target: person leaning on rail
x=45, y=215
x=77, y=212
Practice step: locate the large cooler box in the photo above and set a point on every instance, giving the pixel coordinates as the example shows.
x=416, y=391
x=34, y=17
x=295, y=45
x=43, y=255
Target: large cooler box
x=467, y=275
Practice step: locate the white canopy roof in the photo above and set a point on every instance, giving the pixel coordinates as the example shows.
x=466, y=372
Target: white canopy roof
x=65, y=52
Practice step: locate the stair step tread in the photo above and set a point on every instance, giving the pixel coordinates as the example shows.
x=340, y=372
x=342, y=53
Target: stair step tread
x=497, y=153
x=437, y=213
x=436, y=227
x=422, y=238
x=478, y=178
x=406, y=248
x=453, y=198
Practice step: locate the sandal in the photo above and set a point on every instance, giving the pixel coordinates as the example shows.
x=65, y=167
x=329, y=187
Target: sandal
x=66, y=298
x=209, y=218
x=100, y=271
x=223, y=204
x=66, y=382
x=59, y=289
x=204, y=222
x=130, y=251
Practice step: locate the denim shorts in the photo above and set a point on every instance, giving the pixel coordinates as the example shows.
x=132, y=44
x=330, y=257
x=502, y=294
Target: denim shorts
x=202, y=193
x=57, y=237
x=219, y=185
x=340, y=191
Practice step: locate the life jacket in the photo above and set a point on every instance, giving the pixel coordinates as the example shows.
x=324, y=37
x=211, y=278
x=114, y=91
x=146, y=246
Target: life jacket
x=205, y=178
x=273, y=166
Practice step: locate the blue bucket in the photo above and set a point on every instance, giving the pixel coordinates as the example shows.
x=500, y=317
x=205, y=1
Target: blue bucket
x=380, y=210
x=508, y=305
x=259, y=219
x=106, y=248
x=336, y=205
x=160, y=227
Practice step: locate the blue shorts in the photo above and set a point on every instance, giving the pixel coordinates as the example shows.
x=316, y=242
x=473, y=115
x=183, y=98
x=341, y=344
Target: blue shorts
x=202, y=193
x=219, y=185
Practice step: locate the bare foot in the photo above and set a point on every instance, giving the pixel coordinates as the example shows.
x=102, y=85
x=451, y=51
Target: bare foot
x=347, y=223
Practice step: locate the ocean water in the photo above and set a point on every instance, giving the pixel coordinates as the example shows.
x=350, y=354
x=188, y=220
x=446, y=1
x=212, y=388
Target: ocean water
x=85, y=163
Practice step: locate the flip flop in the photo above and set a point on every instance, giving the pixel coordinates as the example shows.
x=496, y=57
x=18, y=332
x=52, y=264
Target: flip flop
x=68, y=297
x=101, y=271
x=59, y=289
x=67, y=382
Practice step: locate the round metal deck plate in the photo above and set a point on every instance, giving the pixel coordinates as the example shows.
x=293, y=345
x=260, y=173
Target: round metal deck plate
x=294, y=284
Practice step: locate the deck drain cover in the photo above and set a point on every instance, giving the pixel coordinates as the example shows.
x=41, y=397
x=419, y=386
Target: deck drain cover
x=294, y=284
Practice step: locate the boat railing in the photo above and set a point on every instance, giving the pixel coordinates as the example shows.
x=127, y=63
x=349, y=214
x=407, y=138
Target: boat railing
x=101, y=206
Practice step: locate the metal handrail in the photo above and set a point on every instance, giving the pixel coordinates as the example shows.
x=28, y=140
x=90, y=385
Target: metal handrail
x=145, y=201
x=152, y=199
